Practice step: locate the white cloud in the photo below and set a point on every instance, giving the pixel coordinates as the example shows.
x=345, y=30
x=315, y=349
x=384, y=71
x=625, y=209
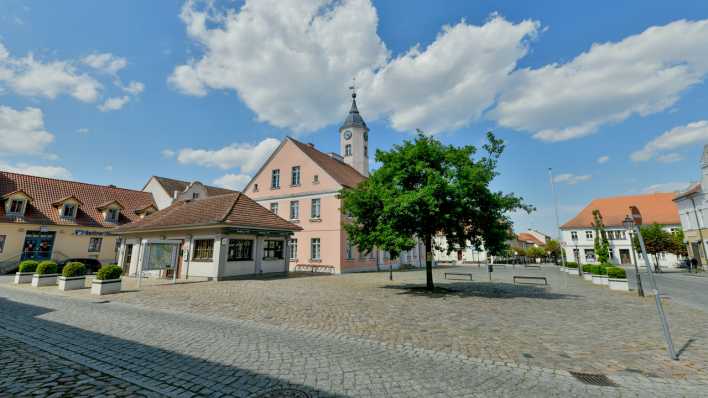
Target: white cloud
x=232, y=181
x=247, y=157
x=666, y=187
x=324, y=43
x=603, y=159
x=571, y=179
x=692, y=133
x=639, y=75
x=669, y=158
x=114, y=103
x=105, y=62
x=134, y=88
x=22, y=131
x=35, y=170
x=168, y=153
x=82, y=130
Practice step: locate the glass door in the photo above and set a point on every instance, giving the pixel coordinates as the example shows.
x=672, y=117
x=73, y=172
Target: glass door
x=38, y=245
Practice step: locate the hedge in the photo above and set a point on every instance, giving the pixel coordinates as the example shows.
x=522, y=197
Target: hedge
x=587, y=268
x=27, y=266
x=108, y=272
x=571, y=264
x=46, y=267
x=598, y=270
x=616, y=273
x=73, y=269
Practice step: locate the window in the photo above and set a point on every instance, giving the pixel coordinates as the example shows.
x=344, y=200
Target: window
x=17, y=206
x=273, y=249
x=95, y=245
x=292, y=248
x=203, y=249
x=295, y=210
x=69, y=210
x=274, y=207
x=112, y=214
x=576, y=255
x=589, y=255
x=348, y=150
x=574, y=235
x=275, y=179
x=315, y=248
x=128, y=255
x=2, y=242
x=588, y=234
x=316, y=179
x=255, y=187
x=295, y=177
x=366, y=151
x=240, y=250
x=195, y=195
x=349, y=251
x=315, y=208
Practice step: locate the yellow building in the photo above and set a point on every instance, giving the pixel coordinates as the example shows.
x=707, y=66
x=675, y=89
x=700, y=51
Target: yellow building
x=45, y=218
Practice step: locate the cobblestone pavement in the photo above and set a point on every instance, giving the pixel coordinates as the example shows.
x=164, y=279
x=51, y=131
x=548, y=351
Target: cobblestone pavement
x=178, y=354
x=28, y=371
x=572, y=325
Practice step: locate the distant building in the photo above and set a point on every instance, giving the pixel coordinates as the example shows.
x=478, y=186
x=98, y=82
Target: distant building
x=168, y=190
x=531, y=238
x=46, y=218
x=693, y=212
x=578, y=234
x=469, y=254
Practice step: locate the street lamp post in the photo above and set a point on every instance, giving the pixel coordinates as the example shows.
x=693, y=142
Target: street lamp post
x=635, y=222
x=629, y=224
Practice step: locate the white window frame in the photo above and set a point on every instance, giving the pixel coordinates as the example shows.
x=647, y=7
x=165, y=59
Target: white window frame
x=95, y=248
x=295, y=176
x=348, y=150
x=73, y=207
x=21, y=210
x=315, y=208
x=275, y=179
x=315, y=249
x=294, y=209
x=109, y=217
x=274, y=207
x=292, y=249
x=574, y=235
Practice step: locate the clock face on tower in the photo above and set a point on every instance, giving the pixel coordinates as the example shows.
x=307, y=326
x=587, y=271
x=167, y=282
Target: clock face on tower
x=347, y=134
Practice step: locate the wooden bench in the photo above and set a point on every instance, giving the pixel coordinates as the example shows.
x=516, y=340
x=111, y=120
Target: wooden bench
x=315, y=268
x=532, y=266
x=539, y=278
x=458, y=274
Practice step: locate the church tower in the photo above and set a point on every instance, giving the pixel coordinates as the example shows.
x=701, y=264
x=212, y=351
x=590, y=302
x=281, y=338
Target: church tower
x=354, y=140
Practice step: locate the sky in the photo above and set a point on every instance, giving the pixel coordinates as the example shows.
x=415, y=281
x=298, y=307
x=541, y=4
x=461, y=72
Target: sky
x=611, y=97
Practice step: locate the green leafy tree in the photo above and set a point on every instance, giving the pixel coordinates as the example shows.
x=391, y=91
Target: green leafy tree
x=520, y=251
x=536, y=252
x=602, y=245
x=424, y=188
x=678, y=247
x=553, y=249
x=656, y=241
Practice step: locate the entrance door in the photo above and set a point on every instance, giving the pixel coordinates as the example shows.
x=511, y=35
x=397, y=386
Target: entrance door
x=38, y=245
x=625, y=256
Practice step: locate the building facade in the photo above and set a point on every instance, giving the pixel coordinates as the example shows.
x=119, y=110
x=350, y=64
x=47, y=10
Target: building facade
x=578, y=234
x=468, y=255
x=693, y=212
x=302, y=184
x=45, y=218
x=218, y=237
x=166, y=191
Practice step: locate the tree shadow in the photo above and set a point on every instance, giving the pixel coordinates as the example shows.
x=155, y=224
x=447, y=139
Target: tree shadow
x=164, y=372
x=481, y=289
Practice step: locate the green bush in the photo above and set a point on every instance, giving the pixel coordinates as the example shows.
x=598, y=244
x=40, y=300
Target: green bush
x=73, y=269
x=109, y=272
x=587, y=268
x=27, y=266
x=598, y=269
x=571, y=264
x=46, y=267
x=616, y=273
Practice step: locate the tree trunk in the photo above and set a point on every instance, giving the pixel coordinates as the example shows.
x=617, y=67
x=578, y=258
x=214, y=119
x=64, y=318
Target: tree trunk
x=429, y=262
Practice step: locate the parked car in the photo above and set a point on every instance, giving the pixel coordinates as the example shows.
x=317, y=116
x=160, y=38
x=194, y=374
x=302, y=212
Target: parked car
x=92, y=265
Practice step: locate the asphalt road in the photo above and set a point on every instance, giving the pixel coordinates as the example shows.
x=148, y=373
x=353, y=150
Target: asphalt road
x=682, y=287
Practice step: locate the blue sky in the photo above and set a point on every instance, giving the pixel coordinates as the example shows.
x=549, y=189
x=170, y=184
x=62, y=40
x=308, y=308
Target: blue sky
x=612, y=97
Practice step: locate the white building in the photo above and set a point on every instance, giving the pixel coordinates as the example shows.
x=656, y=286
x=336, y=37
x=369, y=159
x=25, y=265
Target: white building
x=578, y=234
x=166, y=191
x=469, y=255
x=693, y=211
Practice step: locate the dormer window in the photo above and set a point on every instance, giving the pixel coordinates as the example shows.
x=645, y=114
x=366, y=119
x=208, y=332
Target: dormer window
x=68, y=210
x=255, y=187
x=67, y=207
x=112, y=214
x=17, y=206
x=16, y=202
x=111, y=211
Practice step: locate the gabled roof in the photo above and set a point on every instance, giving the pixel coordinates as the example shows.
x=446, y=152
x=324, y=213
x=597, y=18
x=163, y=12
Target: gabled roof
x=46, y=191
x=171, y=185
x=20, y=191
x=529, y=238
x=693, y=189
x=64, y=199
x=146, y=208
x=655, y=208
x=343, y=173
x=107, y=204
x=235, y=209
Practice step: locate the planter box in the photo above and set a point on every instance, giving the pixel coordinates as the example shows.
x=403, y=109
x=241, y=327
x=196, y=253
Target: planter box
x=108, y=286
x=618, y=284
x=587, y=276
x=573, y=271
x=44, y=280
x=599, y=279
x=23, y=277
x=72, y=283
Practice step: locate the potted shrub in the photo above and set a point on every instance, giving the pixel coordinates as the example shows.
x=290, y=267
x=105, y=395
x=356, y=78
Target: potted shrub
x=617, y=279
x=46, y=274
x=73, y=276
x=572, y=268
x=25, y=271
x=599, y=274
x=107, y=280
x=587, y=272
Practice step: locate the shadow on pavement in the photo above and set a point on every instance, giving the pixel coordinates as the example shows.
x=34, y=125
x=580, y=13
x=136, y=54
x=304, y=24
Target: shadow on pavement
x=166, y=372
x=481, y=289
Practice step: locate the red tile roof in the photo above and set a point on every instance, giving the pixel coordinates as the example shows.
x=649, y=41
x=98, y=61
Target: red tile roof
x=529, y=238
x=343, y=173
x=655, y=208
x=234, y=209
x=46, y=191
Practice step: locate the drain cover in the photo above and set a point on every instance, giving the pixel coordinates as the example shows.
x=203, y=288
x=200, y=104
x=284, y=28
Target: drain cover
x=283, y=393
x=594, y=379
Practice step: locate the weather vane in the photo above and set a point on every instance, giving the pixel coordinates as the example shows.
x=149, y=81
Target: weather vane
x=353, y=87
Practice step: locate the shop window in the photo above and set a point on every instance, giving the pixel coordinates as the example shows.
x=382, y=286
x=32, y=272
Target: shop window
x=273, y=249
x=203, y=250
x=95, y=245
x=240, y=250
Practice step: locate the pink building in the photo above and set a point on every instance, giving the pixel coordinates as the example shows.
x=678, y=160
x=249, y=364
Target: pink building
x=301, y=184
